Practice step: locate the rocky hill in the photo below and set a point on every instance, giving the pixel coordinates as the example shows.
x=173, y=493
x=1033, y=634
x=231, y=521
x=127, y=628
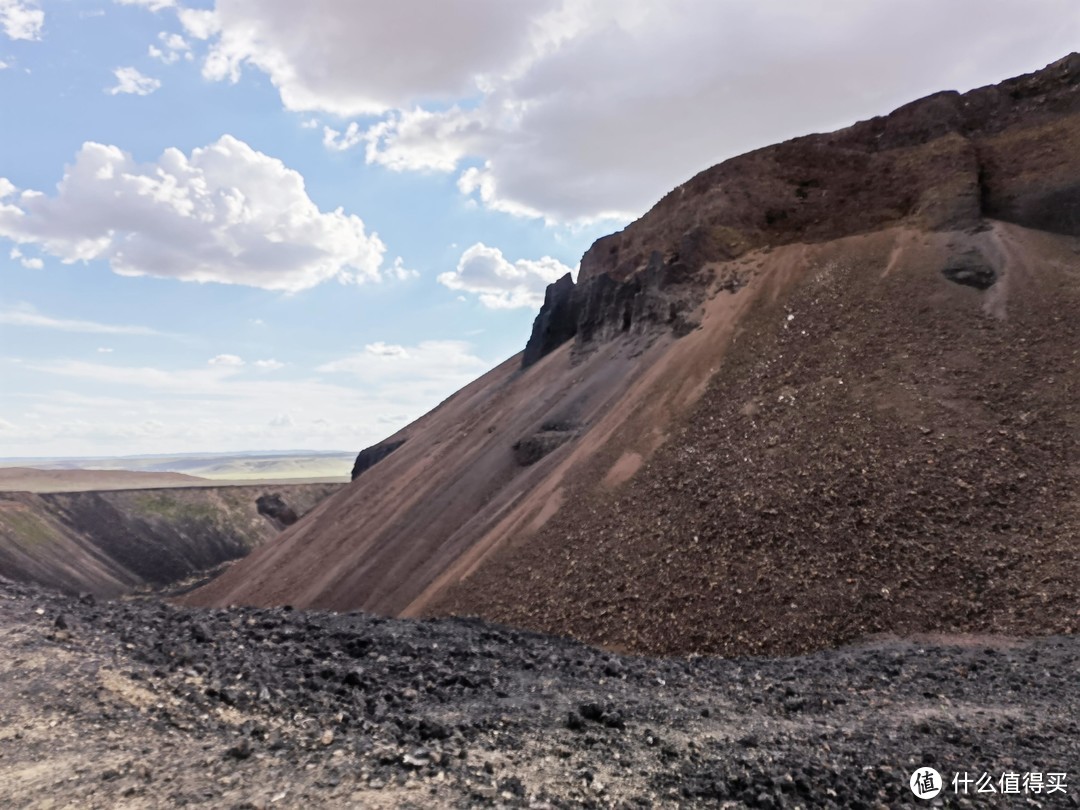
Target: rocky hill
x=112, y=542
x=823, y=390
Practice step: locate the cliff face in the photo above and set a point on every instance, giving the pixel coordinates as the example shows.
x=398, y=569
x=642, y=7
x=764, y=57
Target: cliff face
x=1009, y=152
x=821, y=390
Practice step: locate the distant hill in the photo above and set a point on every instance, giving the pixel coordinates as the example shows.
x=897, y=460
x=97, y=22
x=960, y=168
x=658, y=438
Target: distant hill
x=259, y=466
x=25, y=479
x=113, y=542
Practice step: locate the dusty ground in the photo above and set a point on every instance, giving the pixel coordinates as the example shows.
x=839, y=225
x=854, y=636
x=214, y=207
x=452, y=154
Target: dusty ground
x=142, y=705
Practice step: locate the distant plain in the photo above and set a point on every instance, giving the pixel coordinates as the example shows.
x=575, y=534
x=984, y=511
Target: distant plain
x=187, y=470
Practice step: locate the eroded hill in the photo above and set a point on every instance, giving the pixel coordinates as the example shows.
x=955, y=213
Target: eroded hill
x=822, y=390
x=112, y=542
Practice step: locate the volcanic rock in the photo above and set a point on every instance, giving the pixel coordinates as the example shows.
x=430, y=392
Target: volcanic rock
x=823, y=391
x=370, y=456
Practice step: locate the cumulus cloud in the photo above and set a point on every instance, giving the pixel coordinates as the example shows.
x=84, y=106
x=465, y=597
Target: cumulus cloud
x=269, y=365
x=362, y=58
x=590, y=109
x=502, y=284
x=21, y=20
x=225, y=213
x=228, y=360
x=26, y=315
x=399, y=271
x=29, y=262
x=340, y=141
x=129, y=81
x=173, y=48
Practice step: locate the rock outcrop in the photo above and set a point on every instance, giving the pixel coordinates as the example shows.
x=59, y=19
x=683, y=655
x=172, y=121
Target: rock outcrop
x=370, y=456
x=1009, y=152
x=273, y=506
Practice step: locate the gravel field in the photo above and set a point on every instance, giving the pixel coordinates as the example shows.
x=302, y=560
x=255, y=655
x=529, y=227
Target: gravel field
x=142, y=704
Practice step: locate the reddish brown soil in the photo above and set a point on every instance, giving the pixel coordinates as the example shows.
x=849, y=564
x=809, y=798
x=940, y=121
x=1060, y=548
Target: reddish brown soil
x=876, y=454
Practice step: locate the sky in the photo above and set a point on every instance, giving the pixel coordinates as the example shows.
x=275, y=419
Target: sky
x=266, y=225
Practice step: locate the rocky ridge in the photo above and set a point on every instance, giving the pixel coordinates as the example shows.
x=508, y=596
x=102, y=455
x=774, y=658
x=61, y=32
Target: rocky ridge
x=945, y=162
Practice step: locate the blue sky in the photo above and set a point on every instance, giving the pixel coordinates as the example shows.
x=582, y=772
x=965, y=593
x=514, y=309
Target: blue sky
x=250, y=225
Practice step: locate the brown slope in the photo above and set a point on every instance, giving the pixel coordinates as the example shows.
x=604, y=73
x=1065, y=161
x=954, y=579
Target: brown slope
x=28, y=479
x=112, y=542
x=882, y=450
x=681, y=304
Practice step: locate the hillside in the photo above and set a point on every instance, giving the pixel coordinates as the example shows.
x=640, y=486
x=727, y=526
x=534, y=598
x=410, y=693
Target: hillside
x=820, y=391
x=112, y=542
x=28, y=479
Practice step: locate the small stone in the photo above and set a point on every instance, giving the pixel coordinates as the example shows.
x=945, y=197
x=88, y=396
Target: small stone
x=240, y=751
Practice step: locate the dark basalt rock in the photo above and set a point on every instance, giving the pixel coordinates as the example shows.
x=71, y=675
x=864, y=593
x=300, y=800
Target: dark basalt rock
x=556, y=322
x=273, y=506
x=370, y=456
x=531, y=449
x=971, y=270
x=662, y=296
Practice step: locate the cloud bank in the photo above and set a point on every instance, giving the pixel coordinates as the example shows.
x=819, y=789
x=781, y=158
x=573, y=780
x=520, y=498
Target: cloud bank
x=576, y=110
x=225, y=213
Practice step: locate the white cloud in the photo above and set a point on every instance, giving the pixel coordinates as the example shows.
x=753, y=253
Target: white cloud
x=104, y=350
x=340, y=141
x=484, y=271
x=269, y=365
x=129, y=81
x=110, y=409
x=173, y=48
x=399, y=271
x=3, y=65
x=21, y=20
x=362, y=58
x=589, y=109
x=152, y=5
x=225, y=213
x=26, y=315
x=30, y=263
x=229, y=360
